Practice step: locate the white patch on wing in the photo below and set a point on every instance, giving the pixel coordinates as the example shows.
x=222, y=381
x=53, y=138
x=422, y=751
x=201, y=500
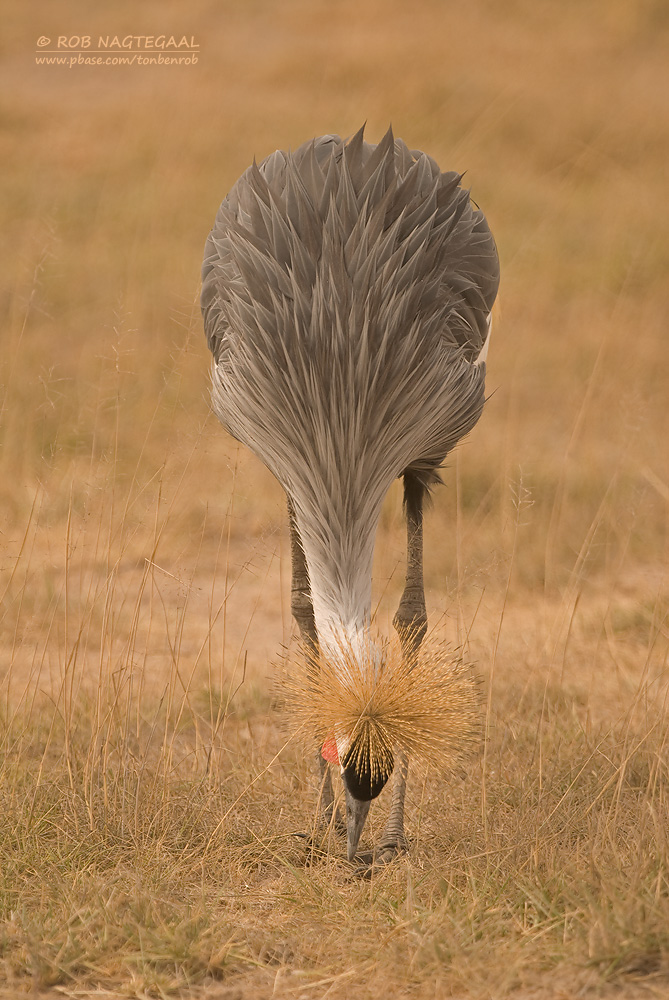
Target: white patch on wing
x=483, y=353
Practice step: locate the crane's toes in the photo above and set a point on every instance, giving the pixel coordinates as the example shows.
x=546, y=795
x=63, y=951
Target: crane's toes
x=366, y=861
x=318, y=843
x=329, y=820
x=315, y=848
x=316, y=851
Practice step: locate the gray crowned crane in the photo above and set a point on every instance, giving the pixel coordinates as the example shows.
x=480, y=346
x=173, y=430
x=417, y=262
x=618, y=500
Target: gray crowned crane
x=347, y=291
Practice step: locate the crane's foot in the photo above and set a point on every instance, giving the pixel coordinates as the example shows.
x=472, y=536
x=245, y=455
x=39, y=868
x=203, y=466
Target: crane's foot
x=316, y=850
x=384, y=854
x=331, y=818
x=318, y=843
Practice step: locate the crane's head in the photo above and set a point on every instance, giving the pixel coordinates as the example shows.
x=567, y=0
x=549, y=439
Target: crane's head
x=369, y=705
x=365, y=769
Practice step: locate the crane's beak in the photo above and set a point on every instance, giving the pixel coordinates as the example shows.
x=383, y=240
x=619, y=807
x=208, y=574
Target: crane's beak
x=356, y=814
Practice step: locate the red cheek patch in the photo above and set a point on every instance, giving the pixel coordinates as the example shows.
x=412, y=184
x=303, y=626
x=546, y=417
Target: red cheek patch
x=329, y=751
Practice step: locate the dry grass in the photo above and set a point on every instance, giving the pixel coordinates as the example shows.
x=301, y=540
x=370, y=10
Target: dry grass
x=150, y=800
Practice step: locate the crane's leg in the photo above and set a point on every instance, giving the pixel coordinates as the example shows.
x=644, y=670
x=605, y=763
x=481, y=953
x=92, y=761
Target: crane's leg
x=300, y=589
x=410, y=623
x=303, y=613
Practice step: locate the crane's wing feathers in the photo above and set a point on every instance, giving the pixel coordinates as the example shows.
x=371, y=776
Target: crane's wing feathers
x=346, y=294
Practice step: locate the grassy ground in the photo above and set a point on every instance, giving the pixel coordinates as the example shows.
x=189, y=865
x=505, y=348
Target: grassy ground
x=149, y=792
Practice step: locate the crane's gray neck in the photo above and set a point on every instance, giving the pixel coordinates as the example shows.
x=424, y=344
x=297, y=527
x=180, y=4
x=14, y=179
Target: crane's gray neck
x=339, y=558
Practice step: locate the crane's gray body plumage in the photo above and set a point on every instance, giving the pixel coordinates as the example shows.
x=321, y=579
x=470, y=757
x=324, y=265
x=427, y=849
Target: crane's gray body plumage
x=347, y=290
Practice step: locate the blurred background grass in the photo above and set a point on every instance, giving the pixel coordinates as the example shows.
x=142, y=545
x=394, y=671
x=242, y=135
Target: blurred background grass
x=137, y=541
x=558, y=115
